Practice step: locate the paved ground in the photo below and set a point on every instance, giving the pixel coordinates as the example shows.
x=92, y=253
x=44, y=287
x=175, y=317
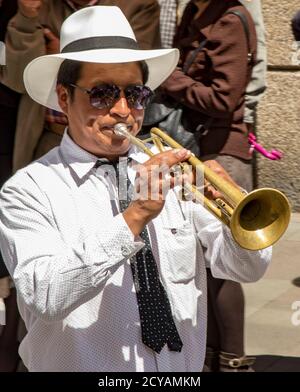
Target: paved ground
x=270, y=331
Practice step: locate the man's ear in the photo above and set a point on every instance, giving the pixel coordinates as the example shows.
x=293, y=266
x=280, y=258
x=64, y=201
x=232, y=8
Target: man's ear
x=63, y=98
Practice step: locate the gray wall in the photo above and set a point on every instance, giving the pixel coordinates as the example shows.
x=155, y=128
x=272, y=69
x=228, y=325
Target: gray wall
x=278, y=116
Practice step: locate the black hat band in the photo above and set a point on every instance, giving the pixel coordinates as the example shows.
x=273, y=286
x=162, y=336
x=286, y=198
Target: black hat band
x=106, y=42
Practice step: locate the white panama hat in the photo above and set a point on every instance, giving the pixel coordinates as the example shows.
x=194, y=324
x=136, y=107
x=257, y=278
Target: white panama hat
x=99, y=34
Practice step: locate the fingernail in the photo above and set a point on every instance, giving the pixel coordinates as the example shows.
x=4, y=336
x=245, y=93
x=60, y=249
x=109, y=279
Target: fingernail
x=180, y=153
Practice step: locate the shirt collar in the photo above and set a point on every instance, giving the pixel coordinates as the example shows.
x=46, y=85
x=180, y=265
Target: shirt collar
x=203, y=23
x=82, y=161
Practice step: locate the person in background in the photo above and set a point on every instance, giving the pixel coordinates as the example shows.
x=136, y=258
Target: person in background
x=170, y=16
x=223, y=298
x=108, y=286
x=229, y=296
x=34, y=32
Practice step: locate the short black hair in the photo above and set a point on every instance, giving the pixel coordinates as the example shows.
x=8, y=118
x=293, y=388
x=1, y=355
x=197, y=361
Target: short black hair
x=70, y=70
x=69, y=73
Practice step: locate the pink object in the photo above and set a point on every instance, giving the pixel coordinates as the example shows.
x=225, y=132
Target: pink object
x=274, y=154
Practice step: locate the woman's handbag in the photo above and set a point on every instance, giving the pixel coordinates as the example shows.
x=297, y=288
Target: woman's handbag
x=168, y=115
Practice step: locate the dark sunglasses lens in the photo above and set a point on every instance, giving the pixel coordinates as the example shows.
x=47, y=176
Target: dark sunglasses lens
x=138, y=96
x=104, y=96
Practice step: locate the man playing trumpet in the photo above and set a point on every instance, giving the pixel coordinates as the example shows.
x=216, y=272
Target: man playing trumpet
x=105, y=284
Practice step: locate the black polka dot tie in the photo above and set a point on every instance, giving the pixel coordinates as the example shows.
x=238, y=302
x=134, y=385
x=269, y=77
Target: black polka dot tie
x=157, y=324
x=158, y=327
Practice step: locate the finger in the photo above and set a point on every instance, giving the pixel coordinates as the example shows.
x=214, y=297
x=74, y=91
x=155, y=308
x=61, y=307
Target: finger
x=169, y=158
x=153, y=184
x=159, y=190
x=48, y=34
x=211, y=193
x=220, y=171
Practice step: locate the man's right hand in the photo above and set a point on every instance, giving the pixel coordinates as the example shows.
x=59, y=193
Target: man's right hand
x=151, y=193
x=30, y=8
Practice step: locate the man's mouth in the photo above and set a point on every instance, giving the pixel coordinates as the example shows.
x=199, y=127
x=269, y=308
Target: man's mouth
x=110, y=129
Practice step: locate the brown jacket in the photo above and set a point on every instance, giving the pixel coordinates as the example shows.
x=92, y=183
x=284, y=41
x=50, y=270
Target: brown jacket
x=25, y=41
x=213, y=90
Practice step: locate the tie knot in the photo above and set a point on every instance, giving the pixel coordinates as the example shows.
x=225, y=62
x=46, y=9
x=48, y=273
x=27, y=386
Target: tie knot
x=121, y=162
x=104, y=161
x=118, y=170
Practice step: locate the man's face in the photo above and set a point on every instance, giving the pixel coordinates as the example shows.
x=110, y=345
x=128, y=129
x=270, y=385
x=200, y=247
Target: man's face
x=92, y=128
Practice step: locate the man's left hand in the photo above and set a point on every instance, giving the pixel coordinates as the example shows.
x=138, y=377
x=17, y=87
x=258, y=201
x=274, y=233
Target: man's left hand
x=210, y=191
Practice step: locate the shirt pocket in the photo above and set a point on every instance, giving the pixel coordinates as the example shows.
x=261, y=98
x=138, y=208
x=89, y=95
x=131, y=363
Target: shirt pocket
x=180, y=243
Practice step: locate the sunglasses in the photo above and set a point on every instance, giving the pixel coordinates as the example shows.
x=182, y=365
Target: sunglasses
x=105, y=95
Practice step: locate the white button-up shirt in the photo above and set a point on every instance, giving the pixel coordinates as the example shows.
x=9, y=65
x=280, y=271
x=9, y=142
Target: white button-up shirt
x=67, y=247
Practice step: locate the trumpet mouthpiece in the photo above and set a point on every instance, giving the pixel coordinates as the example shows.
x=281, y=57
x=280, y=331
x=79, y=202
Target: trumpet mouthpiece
x=120, y=129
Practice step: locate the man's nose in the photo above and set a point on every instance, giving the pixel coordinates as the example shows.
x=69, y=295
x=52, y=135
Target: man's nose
x=121, y=107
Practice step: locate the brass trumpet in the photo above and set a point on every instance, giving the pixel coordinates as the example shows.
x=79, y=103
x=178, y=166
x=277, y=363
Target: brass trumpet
x=256, y=220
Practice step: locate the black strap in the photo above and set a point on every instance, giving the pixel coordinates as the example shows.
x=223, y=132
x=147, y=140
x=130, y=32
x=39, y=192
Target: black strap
x=192, y=57
x=245, y=24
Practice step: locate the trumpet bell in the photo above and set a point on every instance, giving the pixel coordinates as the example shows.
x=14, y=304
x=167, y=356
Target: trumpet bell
x=260, y=219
